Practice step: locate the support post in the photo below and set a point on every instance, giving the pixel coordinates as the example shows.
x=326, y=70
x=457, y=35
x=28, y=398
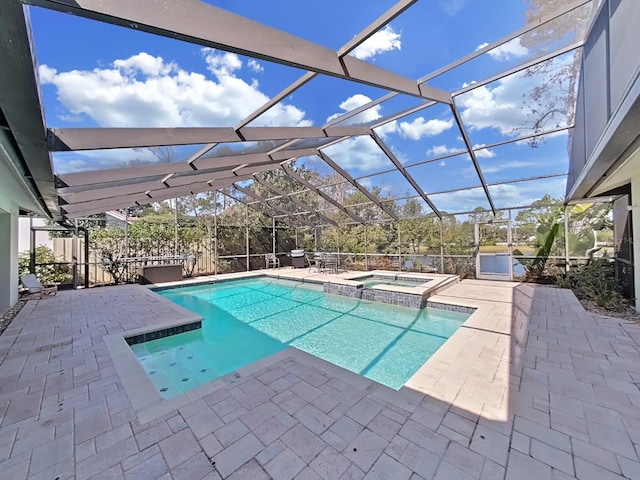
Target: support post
x=246, y=209
x=399, y=249
x=441, y=248
x=215, y=233
x=126, y=231
x=175, y=224
x=273, y=235
x=366, y=259
x=566, y=239
x=86, y=257
x=74, y=253
x=32, y=246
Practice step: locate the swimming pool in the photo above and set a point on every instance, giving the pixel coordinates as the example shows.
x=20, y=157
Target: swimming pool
x=247, y=320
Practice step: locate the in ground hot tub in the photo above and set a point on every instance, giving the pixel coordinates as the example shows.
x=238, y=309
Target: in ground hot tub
x=149, y=274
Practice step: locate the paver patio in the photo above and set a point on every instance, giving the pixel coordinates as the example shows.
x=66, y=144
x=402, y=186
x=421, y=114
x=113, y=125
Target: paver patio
x=532, y=386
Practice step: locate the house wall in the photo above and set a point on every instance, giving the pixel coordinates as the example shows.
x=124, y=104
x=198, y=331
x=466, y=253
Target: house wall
x=604, y=152
x=8, y=260
x=607, y=111
x=14, y=195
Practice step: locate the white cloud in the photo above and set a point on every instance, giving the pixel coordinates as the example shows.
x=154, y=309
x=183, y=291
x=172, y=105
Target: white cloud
x=419, y=128
x=145, y=64
x=438, y=150
x=525, y=193
x=483, y=152
x=146, y=91
x=365, y=117
x=509, y=107
x=387, y=128
x=359, y=154
x=507, y=51
x=521, y=193
x=484, y=107
x=224, y=63
x=255, y=66
x=511, y=194
x=383, y=40
x=354, y=102
x=46, y=74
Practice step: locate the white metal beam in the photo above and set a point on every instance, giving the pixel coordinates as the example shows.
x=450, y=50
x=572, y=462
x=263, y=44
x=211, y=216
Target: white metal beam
x=75, y=139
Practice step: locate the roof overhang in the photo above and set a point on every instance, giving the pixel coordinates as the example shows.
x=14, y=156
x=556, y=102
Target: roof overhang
x=22, y=111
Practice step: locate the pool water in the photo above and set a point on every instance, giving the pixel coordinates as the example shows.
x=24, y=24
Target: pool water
x=372, y=282
x=247, y=320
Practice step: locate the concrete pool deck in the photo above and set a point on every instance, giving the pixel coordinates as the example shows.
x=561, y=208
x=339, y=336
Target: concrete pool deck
x=532, y=386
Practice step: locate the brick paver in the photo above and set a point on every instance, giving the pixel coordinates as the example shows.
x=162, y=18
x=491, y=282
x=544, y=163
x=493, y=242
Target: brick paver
x=532, y=386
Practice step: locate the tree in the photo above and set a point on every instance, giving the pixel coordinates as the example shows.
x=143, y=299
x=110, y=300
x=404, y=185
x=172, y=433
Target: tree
x=417, y=230
x=457, y=236
x=551, y=103
x=201, y=208
x=479, y=214
x=109, y=243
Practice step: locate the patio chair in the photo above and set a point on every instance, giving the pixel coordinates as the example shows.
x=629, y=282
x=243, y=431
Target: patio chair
x=311, y=260
x=34, y=287
x=316, y=264
x=330, y=264
x=271, y=261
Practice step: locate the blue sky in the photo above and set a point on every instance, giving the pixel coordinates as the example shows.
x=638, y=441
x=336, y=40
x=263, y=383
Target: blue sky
x=94, y=74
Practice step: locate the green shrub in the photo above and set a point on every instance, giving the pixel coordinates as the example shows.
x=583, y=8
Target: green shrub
x=47, y=269
x=596, y=282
